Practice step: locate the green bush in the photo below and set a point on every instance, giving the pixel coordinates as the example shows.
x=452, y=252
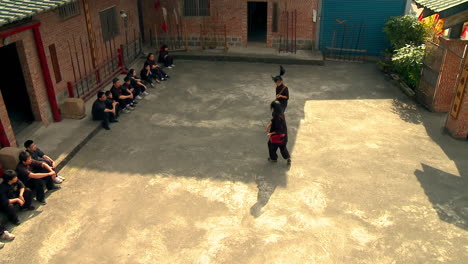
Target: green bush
x=403, y=30
x=407, y=61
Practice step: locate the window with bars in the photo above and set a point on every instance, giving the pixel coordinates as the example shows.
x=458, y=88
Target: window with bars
x=69, y=10
x=196, y=7
x=109, y=23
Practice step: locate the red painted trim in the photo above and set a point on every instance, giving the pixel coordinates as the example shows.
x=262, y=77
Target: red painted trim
x=46, y=74
x=19, y=29
x=3, y=137
x=71, y=93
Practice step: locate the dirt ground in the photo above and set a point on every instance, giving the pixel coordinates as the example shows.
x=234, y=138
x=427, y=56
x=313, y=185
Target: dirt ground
x=184, y=178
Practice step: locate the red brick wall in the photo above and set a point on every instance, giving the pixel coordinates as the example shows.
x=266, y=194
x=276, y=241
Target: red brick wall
x=35, y=84
x=459, y=127
x=450, y=70
x=233, y=13
x=55, y=30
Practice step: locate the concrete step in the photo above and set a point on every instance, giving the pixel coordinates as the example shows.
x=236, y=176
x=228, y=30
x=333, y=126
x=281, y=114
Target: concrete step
x=253, y=55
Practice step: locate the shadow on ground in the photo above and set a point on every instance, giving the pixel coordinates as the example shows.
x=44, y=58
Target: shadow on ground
x=446, y=191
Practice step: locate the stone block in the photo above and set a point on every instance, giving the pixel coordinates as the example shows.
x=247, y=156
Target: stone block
x=73, y=108
x=9, y=157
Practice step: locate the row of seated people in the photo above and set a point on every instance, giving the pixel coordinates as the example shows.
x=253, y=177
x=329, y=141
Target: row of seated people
x=34, y=172
x=124, y=97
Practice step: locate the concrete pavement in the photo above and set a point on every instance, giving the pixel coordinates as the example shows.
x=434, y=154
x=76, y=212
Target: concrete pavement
x=184, y=178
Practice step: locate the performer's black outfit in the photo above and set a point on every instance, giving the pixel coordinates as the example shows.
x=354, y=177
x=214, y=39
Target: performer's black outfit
x=278, y=125
x=284, y=91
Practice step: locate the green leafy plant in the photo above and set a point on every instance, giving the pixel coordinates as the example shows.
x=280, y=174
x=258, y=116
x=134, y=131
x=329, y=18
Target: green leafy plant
x=403, y=30
x=407, y=61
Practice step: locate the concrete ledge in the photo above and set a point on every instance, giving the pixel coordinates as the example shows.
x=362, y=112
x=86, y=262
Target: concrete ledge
x=278, y=58
x=9, y=157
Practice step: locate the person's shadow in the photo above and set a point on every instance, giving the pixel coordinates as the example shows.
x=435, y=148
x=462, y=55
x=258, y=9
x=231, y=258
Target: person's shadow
x=275, y=174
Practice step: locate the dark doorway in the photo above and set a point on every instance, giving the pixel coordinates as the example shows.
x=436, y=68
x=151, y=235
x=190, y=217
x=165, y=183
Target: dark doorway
x=13, y=88
x=257, y=21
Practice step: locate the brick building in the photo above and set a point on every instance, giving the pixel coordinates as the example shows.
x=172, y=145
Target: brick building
x=247, y=22
x=44, y=45
x=312, y=24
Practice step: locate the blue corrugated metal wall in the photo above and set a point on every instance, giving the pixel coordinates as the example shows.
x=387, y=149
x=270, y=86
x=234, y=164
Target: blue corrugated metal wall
x=374, y=13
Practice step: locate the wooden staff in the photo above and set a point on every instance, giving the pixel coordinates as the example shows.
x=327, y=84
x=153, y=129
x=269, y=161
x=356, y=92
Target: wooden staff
x=156, y=35
x=79, y=67
x=84, y=63
x=186, y=36
x=71, y=59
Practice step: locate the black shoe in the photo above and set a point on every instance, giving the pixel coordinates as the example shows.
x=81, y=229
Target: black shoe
x=134, y=103
x=43, y=202
x=17, y=222
x=289, y=161
x=270, y=160
x=55, y=188
x=30, y=208
x=106, y=128
x=167, y=76
x=114, y=121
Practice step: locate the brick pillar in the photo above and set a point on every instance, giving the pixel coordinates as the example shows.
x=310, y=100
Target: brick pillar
x=449, y=73
x=457, y=121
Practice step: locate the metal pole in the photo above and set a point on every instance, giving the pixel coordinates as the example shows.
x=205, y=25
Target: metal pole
x=84, y=64
x=79, y=68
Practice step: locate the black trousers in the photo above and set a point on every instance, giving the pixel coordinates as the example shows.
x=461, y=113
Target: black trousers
x=124, y=102
x=158, y=73
x=38, y=186
x=284, y=106
x=10, y=212
x=9, y=209
x=28, y=196
x=106, y=118
x=168, y=61
x=273, y=147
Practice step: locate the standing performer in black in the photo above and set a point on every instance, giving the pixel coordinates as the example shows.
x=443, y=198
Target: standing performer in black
x=282, y=92
x=277, y=133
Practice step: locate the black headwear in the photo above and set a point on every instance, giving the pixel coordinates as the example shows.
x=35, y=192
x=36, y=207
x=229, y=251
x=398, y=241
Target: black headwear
x=279, y=78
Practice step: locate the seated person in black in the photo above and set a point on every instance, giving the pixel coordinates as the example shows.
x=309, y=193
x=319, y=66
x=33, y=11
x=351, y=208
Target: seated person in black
x=35, y=175
x=37, y=154
x=135, y=82
x=125, y=100
x=110, y=102
x=128, y=88
x=146, y=75
x=165, y=58
x=156, y=71
x=13, y=191
x=100, y=111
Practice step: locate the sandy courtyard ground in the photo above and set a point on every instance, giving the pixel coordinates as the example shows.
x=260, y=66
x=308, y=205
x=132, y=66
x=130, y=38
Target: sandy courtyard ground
x=184, y=178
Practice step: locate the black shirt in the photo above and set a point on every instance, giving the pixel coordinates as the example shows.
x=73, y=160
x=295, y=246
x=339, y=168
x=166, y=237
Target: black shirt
x=278, y=124
x=116, y=92
x=39, y=156
x=162, y=54
x=23, y=171
x=36, y=155
x=126, y=88
x=98, y=109
x=8, y=191
x=109, y=102
x=283, y=101
x=145, y=75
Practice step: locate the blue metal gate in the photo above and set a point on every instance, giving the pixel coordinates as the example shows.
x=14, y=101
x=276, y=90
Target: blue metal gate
x=371, y=13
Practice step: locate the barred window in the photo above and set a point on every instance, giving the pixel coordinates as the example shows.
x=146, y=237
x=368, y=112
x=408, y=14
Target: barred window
x=196, y=7
x=69, y=10
x=109, y=23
